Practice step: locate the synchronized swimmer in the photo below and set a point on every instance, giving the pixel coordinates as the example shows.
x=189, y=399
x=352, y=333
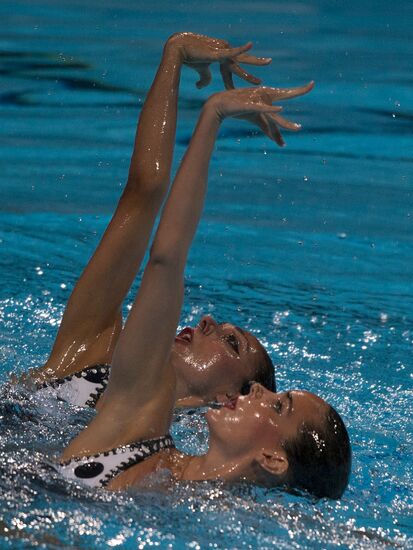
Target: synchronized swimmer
x=138, y=373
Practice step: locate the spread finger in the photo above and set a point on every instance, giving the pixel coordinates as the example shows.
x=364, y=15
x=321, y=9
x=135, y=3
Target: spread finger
x=287, y=93
x=232, y=52
x=276, y=133
x=226, y=76
x=284, y=123
x=252, y=60
x=239, y=71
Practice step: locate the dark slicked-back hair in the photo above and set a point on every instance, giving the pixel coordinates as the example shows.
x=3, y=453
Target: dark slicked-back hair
x=319, y=457
x=264, y=372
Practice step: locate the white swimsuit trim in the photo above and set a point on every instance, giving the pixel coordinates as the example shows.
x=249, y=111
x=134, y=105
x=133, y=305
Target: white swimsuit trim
x=80, y=389
x=99, y=469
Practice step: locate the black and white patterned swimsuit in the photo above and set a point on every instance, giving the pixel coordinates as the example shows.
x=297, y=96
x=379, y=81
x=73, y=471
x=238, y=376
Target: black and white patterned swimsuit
x=80, y=389
x=99, y=469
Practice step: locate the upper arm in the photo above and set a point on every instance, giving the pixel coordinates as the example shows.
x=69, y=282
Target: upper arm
x=70, y=355
x=141, y=362
x=140, y=395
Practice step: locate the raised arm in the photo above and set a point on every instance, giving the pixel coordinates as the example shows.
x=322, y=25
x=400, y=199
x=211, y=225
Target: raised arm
x=141, y=391
x=143, y=349
x=92, y=319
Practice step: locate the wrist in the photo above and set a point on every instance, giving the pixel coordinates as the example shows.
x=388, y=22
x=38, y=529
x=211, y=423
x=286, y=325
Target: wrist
x=212, y=108
x=173, y=48
x=209, y=120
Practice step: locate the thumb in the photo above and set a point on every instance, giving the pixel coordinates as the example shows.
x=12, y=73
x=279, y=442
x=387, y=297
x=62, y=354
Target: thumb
x=205, y=76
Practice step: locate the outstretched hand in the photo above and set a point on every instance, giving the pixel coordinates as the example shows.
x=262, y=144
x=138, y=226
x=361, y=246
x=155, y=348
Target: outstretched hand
x=199, y=51
x=255, y=106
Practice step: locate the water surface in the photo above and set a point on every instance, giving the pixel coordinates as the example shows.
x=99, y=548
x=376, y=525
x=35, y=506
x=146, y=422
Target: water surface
x=309, y=247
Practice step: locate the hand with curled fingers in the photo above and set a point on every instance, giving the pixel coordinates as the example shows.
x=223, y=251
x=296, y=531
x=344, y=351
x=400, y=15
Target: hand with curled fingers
x=198, y=52
x=256, y=106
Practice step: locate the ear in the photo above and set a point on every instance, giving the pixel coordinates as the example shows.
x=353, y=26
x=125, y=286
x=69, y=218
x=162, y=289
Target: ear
x=274, y=462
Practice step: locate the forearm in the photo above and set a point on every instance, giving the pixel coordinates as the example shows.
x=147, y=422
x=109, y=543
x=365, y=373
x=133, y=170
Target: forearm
x=151, y=160
x=117, y=259
x=185, y=202
x=119, y=255
x=114, y=265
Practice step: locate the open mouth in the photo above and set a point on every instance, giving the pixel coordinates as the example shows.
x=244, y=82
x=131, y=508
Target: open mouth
x=185, y=335
x=231, y=403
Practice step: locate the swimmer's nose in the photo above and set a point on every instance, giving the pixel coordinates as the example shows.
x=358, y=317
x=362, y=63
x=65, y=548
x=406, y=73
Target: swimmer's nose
x=207, y=324
x=256, y=390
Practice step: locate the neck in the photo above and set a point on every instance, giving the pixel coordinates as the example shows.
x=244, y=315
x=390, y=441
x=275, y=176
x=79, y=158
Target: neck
x=212, y=466
x=182, y=391
x=185, y=396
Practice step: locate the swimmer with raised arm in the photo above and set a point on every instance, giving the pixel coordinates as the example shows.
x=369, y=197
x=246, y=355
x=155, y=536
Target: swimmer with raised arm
x=208, y=369
x=292, y=439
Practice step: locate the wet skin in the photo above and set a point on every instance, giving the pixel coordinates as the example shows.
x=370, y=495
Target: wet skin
x=213, y=360
x=248, y=434
x=268, y=419
x=247, y=431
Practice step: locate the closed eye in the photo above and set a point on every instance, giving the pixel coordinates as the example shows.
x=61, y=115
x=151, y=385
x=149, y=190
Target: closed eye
x=232, y=341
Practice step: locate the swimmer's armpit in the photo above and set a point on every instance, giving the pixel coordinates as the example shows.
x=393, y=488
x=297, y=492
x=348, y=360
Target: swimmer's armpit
x=198, y=52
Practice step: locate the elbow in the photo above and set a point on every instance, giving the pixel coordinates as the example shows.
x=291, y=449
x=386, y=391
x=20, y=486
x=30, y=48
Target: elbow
x=168, y=258
x=150, y=183
x=148, y=194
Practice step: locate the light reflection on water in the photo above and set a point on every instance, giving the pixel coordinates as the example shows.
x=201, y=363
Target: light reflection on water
x=321, y=232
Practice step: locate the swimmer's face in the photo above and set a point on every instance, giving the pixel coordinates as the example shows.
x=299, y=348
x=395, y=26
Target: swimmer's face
x=253, y=427
x=214, y=359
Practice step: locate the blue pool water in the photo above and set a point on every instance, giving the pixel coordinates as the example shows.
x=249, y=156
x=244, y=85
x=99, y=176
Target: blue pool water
x=309, y=247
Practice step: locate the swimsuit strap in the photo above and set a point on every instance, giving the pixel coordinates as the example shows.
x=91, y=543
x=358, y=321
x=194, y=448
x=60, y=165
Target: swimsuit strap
x=99, y=469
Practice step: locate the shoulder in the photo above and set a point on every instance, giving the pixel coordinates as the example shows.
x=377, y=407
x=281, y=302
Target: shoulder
x=157, y=467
